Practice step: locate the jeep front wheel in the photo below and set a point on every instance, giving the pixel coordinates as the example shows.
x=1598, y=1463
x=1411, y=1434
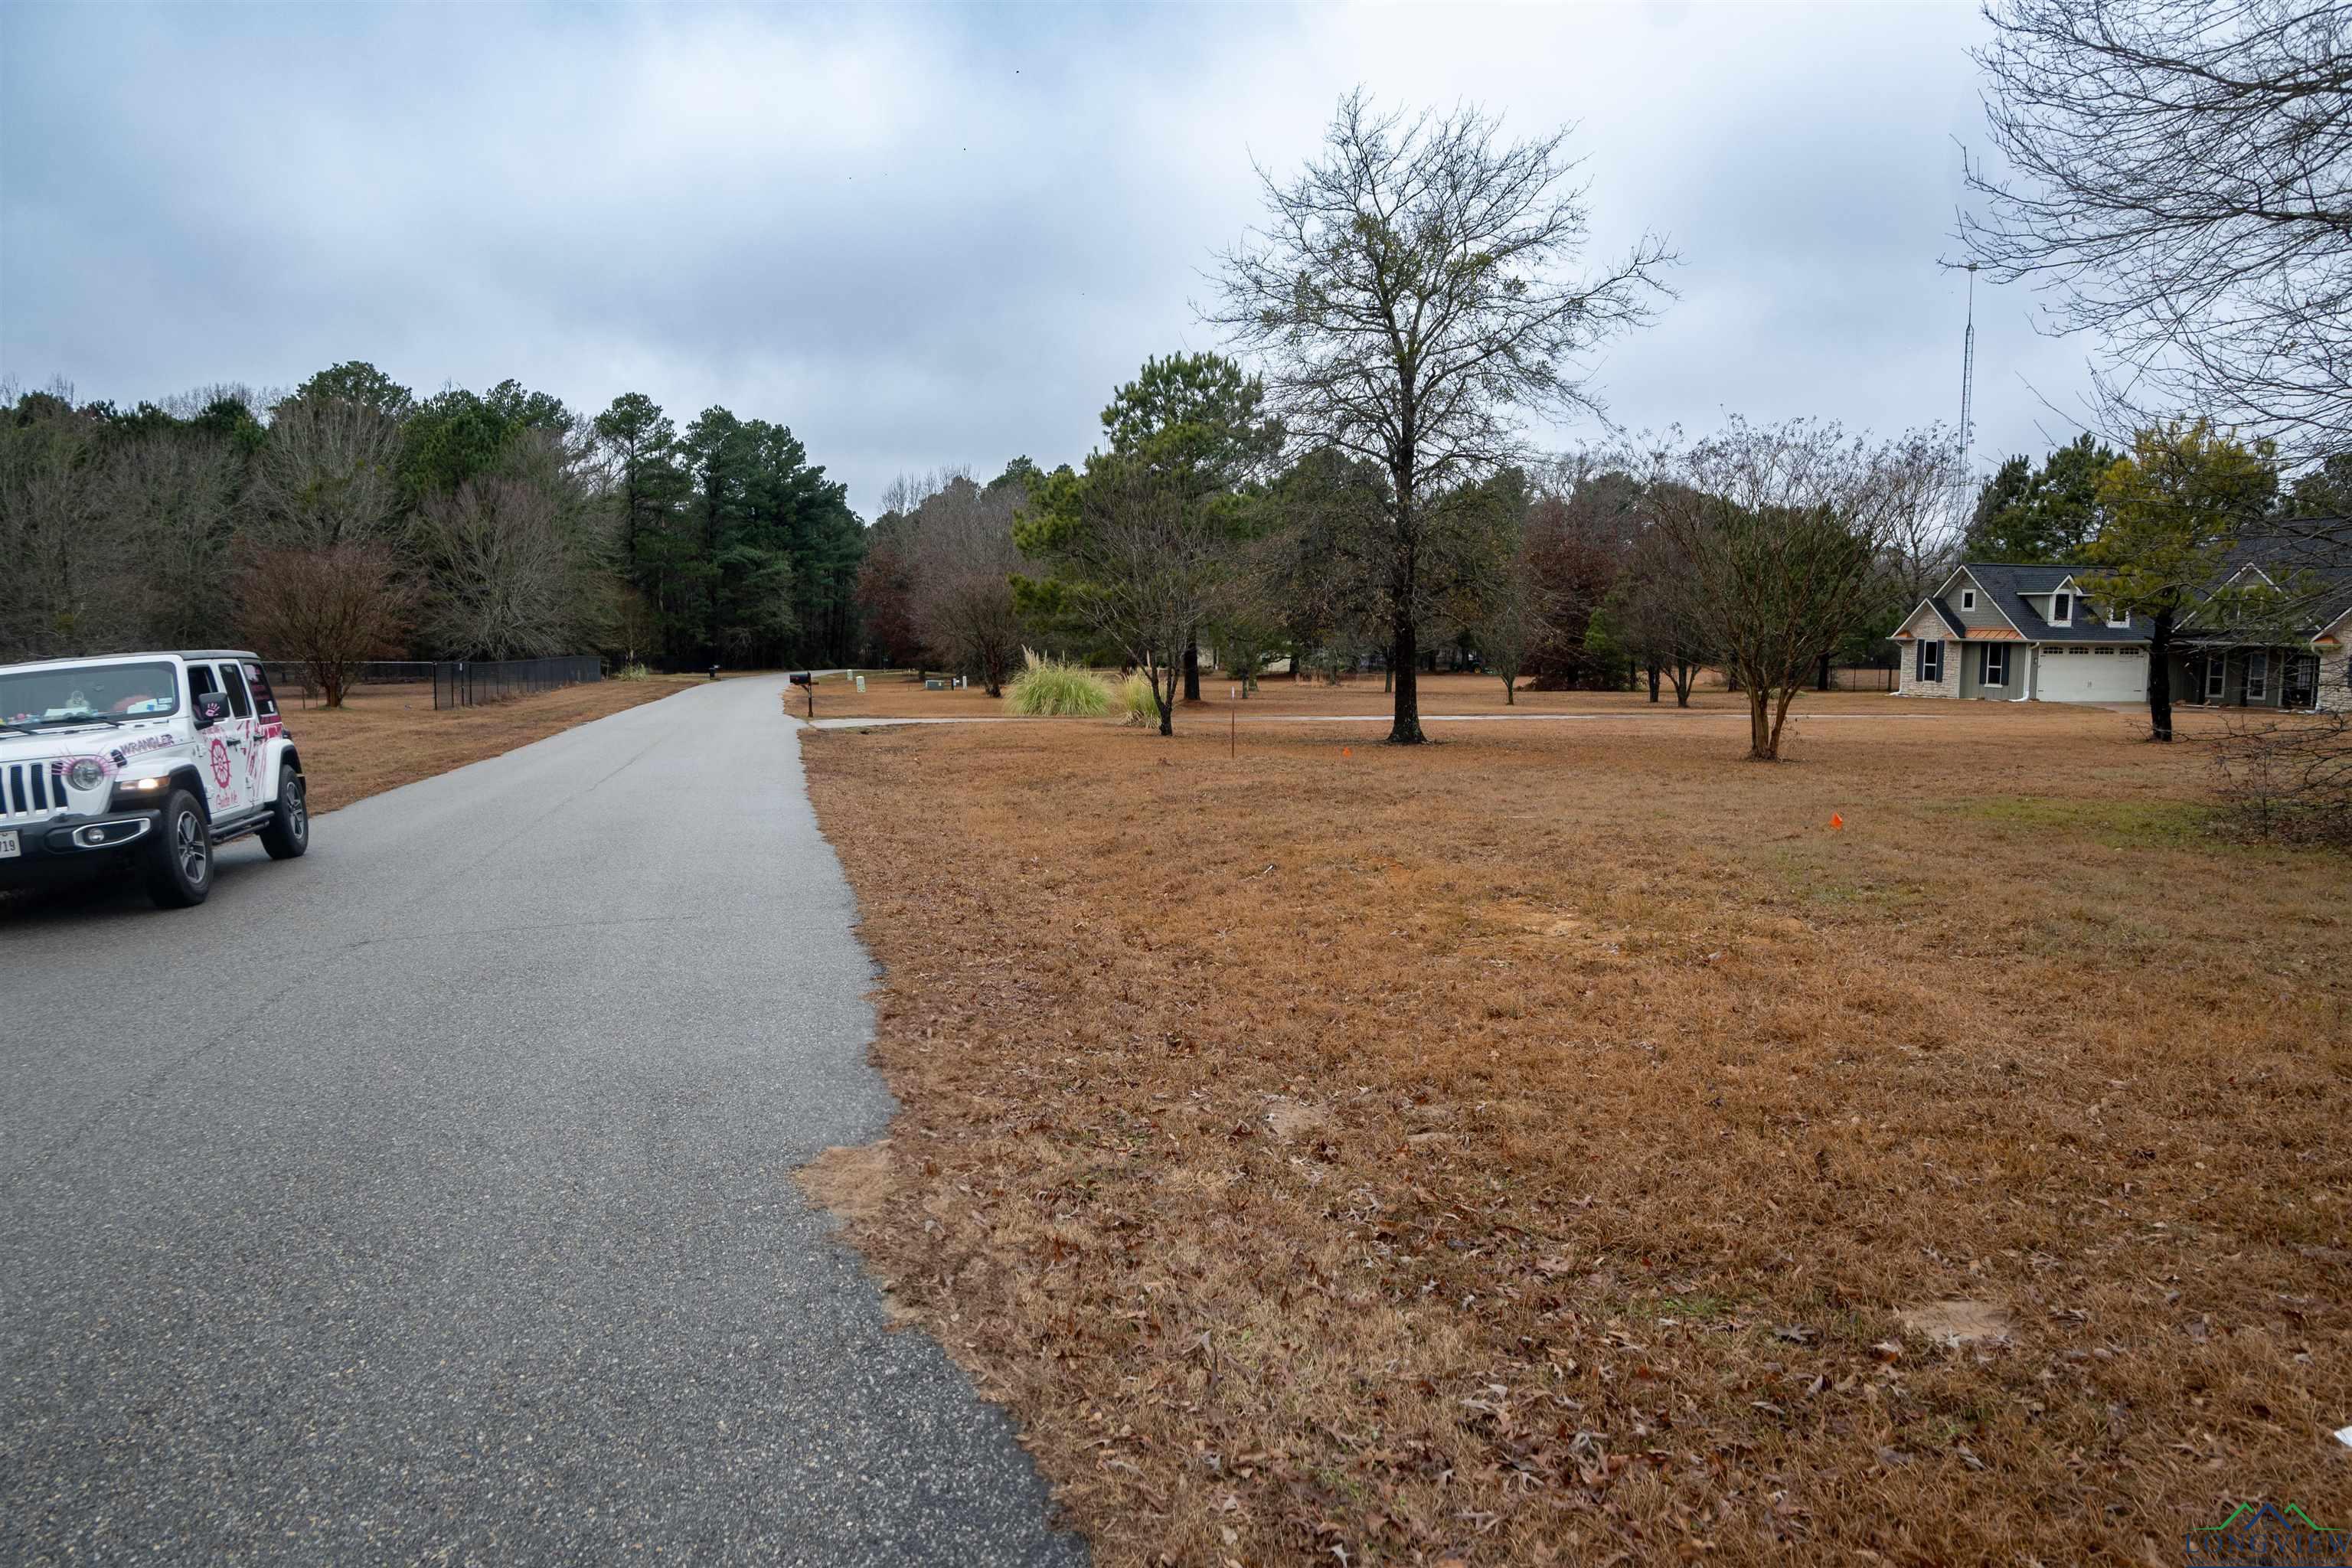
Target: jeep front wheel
x=180, y=862
x=288, y=832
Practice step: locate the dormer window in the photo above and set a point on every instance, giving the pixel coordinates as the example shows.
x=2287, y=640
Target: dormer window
x=1968, y=598
x=2062, y=609
x=2118, y=617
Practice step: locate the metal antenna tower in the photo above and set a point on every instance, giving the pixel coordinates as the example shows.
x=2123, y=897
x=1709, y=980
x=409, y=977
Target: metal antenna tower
x=1968, y=376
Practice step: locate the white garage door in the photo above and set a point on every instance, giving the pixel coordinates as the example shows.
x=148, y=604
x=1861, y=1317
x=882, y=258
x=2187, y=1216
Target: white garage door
x=2084, y=676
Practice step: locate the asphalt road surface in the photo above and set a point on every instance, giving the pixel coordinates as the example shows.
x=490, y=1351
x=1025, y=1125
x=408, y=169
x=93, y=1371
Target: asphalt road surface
x=429, y=1199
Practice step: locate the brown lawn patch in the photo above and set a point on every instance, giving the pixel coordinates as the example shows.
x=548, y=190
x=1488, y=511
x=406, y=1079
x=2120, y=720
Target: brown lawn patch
x=1537, y=1164
x=383, y=738
x=898, y=695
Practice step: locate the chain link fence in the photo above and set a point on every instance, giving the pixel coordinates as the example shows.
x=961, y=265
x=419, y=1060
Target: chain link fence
x=292, y=678
x=462, y=683
x=454, y=683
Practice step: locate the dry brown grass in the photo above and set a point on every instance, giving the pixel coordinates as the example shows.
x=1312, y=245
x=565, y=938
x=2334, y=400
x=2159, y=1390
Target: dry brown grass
x=1527, y=1148
x=899, y=696
x=383, y=738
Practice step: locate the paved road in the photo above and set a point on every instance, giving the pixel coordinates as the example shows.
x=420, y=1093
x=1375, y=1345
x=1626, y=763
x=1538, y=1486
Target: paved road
x=429, y=1199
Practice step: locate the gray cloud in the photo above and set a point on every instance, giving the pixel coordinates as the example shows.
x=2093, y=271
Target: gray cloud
x=923, y=238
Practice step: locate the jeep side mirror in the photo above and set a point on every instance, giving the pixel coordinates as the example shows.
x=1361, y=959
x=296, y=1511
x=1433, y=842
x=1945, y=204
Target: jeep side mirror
x=211, y=708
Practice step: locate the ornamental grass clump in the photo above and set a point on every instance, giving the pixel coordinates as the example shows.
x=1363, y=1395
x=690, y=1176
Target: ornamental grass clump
x=1136, y=699
x=1048, y=687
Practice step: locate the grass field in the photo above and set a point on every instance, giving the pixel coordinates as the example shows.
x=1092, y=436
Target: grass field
x=1528, y=1149
x=899, y=696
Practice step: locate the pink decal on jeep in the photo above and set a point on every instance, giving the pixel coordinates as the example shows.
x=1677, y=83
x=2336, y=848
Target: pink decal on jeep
x=220, y=764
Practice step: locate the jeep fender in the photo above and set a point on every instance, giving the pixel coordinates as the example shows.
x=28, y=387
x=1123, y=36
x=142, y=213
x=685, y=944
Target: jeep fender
x=184, y=776
x=280, y=752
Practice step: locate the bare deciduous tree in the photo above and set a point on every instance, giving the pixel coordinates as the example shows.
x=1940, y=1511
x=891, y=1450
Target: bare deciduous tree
x=1409, y=295
x=961, y=561
x=330, y=608
x=2180, y=180
x=327, y=475
x=70, y=585
x=174, y=500
x=1777, y=532
x=2289, y=777
x=1654, y=610
x=501, y=565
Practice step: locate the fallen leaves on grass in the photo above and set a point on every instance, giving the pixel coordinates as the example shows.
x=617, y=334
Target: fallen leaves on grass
x=1539, y=1168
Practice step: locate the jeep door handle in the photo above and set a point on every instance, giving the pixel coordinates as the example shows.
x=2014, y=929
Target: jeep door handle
x=235, y=741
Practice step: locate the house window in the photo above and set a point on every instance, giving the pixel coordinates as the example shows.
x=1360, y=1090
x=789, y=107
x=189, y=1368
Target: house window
x=2118, y=617
x=2062, y=609
x=2258, y=676
x=1931, y=661
x=2078, y=649
x=1968, y=598
x=1995, y=670
x=2217, y=671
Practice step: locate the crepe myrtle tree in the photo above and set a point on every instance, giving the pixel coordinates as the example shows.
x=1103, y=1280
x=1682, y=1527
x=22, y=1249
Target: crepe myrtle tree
x=1412, y=292
x=1776, y=534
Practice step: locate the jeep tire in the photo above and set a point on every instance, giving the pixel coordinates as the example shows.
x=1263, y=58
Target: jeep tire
x=288, y=832
x=180, y=862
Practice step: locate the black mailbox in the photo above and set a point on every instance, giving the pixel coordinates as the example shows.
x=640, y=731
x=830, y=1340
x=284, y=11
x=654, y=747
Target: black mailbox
x=804, y=677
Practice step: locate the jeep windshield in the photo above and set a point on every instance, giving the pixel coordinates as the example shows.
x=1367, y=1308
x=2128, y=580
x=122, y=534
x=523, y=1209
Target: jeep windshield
x=66, y=694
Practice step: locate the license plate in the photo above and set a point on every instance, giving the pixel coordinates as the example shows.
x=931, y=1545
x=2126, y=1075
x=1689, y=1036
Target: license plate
x=9, y=845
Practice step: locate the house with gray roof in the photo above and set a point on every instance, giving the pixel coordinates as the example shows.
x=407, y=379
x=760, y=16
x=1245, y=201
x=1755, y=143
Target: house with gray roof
x=1997, y=632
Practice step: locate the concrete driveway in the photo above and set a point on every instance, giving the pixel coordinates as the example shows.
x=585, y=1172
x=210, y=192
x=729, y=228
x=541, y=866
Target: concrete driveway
x=429, y=1199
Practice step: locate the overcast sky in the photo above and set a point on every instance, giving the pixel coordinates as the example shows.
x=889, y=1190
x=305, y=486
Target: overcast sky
x=925, y=238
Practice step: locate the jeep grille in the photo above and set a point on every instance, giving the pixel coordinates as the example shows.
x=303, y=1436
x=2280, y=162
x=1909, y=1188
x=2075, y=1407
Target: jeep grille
x=29, y=792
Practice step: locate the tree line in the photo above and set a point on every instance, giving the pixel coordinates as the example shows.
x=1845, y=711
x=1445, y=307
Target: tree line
x=352, y=519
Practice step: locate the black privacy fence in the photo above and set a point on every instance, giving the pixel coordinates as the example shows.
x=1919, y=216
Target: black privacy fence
x=454, y=682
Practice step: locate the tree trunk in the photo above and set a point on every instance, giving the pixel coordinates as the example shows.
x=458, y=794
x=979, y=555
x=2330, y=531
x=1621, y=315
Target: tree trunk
x=1405, y=659
x=2159, y=678
x=1193, y=670
x=1779, y=721
x=1388, y=676
x=1510, y=693
x=1654, y=682
x=1686, y=676
x=1763, y=739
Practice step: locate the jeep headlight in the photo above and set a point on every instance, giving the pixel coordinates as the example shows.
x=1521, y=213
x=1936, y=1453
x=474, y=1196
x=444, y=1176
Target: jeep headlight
x=85, y=773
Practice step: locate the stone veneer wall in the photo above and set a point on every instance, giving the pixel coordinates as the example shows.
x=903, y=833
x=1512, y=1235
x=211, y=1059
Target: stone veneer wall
x=1913, y=686
x=2336, y=680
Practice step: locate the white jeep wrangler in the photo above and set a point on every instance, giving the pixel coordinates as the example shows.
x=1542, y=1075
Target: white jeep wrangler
x=148, y=761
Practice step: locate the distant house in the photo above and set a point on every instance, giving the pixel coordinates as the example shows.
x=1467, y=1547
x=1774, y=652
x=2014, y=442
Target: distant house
x=1996, y=632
